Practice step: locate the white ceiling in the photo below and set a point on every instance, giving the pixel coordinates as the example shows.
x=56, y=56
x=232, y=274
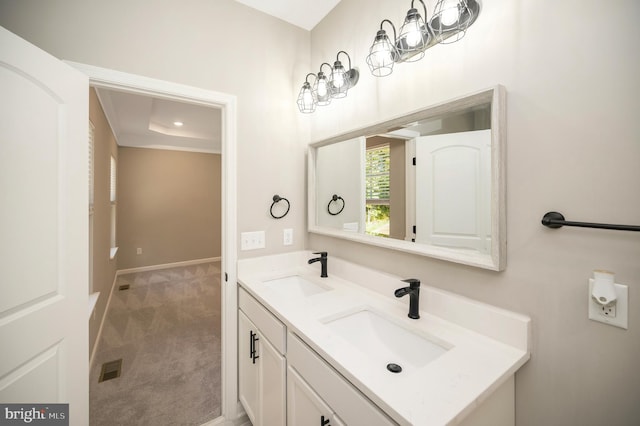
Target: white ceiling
x=302, y=13
x=145, y=122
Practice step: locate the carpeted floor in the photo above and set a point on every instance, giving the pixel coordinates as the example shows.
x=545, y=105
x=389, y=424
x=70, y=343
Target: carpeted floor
x=166, y=329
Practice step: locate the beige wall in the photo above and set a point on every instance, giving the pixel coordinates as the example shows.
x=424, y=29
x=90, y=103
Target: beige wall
x=104, y=269
x=218, y=45
x=168, y=205
x=573, y=95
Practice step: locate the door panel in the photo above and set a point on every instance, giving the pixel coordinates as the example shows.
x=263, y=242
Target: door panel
x=43, y=223
x=272, y=384
x=304, y=406
x=452, y=190
x=247, y=369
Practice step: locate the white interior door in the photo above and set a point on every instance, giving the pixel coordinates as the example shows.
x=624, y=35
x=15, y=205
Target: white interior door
x=453, y=175
x=43, y=224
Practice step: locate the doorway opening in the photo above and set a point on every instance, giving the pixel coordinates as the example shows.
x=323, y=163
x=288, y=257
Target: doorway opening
x=100, y=78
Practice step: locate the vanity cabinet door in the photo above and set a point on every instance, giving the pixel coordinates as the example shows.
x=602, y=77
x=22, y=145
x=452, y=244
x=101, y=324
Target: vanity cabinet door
x=247, y=371
x=343, y=398
x=261, y=371
x=271, y=384
x=304, y=406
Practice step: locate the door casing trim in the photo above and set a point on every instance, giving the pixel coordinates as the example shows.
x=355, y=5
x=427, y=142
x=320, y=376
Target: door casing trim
x=104, y=78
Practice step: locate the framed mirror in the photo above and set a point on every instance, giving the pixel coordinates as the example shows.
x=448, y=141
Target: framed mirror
x=431, y=182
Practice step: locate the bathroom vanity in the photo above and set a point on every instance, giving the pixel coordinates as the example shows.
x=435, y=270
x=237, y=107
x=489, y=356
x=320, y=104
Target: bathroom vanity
x=341, y=350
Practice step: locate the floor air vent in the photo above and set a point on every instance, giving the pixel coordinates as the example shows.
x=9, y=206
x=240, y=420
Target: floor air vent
x=110, y=370
x=124, y=287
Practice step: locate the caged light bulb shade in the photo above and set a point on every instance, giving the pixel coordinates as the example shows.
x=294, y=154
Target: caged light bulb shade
x=382, y=55
x=322, y=87
x=450, y=12
x=339, y=81
x=414, y=36
x=451, y=18
x=322, y=90
x=412, y=33
x=306, y=101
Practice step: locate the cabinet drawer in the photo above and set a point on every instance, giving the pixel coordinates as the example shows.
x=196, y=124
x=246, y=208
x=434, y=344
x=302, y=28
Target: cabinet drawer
x=343, y=398
x=267, y=323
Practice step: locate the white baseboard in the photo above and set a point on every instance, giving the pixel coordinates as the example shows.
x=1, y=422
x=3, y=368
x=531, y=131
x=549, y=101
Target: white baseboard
x=168, y=265
x=104, y=315
x=221, y=421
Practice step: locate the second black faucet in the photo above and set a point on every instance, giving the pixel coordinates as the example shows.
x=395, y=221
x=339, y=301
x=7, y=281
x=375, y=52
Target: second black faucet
x=414, y=296
x=323, y=262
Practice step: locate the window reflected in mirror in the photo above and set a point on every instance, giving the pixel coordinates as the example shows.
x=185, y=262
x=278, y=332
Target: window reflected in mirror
x=377, y=171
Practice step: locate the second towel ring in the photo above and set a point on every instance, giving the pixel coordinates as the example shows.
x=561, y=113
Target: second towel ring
x=276, y=200
x=335, y=198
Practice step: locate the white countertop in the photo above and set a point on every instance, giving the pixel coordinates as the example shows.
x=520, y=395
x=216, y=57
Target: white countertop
x=486, y=345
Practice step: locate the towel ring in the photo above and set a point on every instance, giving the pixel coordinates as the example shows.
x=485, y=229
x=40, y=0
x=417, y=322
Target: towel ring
x=276, y=200
x=335, y=198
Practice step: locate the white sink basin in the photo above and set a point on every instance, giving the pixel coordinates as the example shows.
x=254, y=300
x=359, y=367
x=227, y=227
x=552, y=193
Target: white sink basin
x=296, y=286
x=385, y=342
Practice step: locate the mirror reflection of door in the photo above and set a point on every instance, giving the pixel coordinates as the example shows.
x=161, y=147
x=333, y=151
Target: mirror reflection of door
x=452, y=190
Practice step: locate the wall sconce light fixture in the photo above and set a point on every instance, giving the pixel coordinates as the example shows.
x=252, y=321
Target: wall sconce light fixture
x=414, y=35
x=324, y=89
x=450, y=21
x=383, y=53
x=451, y=18
x=306, y=98
x=339, y=79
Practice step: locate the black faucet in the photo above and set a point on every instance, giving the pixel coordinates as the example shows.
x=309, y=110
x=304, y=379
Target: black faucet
x=414, y=296
x=323, y=262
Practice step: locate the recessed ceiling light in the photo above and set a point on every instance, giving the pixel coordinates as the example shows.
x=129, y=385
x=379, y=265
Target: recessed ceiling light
x=178, y=123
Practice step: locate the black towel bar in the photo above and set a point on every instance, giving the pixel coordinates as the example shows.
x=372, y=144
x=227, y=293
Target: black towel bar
x=556, y=220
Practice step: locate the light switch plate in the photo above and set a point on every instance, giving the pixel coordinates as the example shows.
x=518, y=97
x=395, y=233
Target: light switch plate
x=252, y=240
x=597, y=313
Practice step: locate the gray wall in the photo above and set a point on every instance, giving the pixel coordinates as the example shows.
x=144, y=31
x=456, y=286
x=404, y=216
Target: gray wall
x=571, y=70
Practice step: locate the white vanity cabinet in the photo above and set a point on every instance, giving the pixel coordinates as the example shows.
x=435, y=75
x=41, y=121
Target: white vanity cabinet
x=261, y=363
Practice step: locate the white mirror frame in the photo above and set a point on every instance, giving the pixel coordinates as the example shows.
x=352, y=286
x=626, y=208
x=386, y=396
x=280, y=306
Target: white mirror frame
x=496, y=259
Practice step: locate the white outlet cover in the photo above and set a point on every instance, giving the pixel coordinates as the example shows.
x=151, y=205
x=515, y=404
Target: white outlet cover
x=622, y=307
x=287, y=237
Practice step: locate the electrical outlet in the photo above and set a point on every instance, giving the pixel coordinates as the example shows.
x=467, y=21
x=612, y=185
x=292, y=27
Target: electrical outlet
x=139, y=250
x=287, y=237
x=609, y=310
x=616, y=313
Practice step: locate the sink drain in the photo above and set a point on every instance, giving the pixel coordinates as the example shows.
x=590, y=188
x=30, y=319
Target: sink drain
x=394, y=368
